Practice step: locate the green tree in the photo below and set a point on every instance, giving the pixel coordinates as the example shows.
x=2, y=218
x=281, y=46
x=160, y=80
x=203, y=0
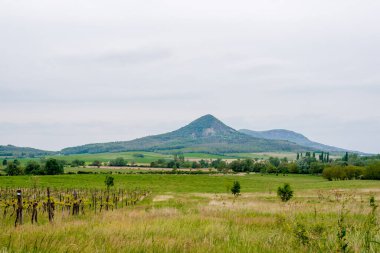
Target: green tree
x=195, y=165
x=78, y=163
x=316, y=168
x=275, y=161
x=109, y=182
x=96, y=163
x=270, y=168
x=118, y=162
x=293, y=168
x=285, y=192
x=259, y=166
x=53, y=167
x=345, y=157
x=33, y=168
x=235, y=189
x=5, y=162
x=13, y=169
x=203, y=163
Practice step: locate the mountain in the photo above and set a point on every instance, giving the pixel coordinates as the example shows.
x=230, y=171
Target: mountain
x=13, y=151
x=206, y=134
x=282, y=134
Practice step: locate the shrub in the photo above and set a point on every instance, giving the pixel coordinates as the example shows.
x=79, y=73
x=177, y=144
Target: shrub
x=235, y=190
x=343, y=172
x=84, y=172
x=285, y=193
x=372, y=171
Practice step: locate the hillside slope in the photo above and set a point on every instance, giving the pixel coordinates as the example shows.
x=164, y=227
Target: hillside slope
x=13, y=151
x=282, y=134
x=206, y=134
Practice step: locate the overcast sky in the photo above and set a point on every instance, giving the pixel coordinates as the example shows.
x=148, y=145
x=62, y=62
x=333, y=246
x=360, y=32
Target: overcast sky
x=84, y=71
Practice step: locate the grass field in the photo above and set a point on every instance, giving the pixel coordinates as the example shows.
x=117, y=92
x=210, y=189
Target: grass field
x=147, y=158
x=196, y=213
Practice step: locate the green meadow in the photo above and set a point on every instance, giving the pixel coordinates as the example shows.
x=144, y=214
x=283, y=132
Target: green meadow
x=197, y=213
x=211, y=183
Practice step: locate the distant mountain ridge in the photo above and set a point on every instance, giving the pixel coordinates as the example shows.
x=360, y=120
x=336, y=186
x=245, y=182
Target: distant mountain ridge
x=283, y=134
x=206, y=134
x=13, y=151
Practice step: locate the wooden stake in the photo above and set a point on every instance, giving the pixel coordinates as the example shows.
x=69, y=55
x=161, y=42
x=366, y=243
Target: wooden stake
x=19, y=209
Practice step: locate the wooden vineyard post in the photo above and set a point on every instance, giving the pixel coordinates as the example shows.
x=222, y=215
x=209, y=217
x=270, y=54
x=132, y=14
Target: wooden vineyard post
x=122, y=198
x=114, y=201
x=107, y=200
x=75, y=204
x=101, y=203
x=34, y=212
x=19, y=209
x=95, y=202
x=50, y=207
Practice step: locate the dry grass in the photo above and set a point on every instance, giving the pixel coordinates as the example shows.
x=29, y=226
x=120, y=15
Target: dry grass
x=254, y=222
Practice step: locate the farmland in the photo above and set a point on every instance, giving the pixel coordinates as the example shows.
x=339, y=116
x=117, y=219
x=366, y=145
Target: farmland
x=136, y=156
x=196, y=213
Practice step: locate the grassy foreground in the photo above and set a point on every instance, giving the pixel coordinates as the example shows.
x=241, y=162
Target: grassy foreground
x=194, y=213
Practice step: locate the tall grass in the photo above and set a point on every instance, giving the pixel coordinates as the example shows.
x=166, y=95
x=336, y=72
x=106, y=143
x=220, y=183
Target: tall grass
x=192, y=222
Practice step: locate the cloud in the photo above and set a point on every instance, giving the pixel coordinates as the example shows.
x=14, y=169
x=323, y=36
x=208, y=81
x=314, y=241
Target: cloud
x=266, y=64
x=114, y=58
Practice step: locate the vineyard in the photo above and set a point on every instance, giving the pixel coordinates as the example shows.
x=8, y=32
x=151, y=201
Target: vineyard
x=19, y=206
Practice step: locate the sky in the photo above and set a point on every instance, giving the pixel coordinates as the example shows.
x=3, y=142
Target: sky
x=86, y=71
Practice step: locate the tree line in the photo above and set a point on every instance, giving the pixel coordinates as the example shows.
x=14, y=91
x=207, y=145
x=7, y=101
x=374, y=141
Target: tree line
x=349, y=166
x=49, y=166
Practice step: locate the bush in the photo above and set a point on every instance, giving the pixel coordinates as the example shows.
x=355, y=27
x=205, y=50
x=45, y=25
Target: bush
x=372, y=171
x=285, y=193
x=84, y=172
x=343, y=172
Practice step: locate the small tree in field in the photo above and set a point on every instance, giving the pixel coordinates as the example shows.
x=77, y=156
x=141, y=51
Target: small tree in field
x=285, y=192
x=235, y=190
x=109, y=182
